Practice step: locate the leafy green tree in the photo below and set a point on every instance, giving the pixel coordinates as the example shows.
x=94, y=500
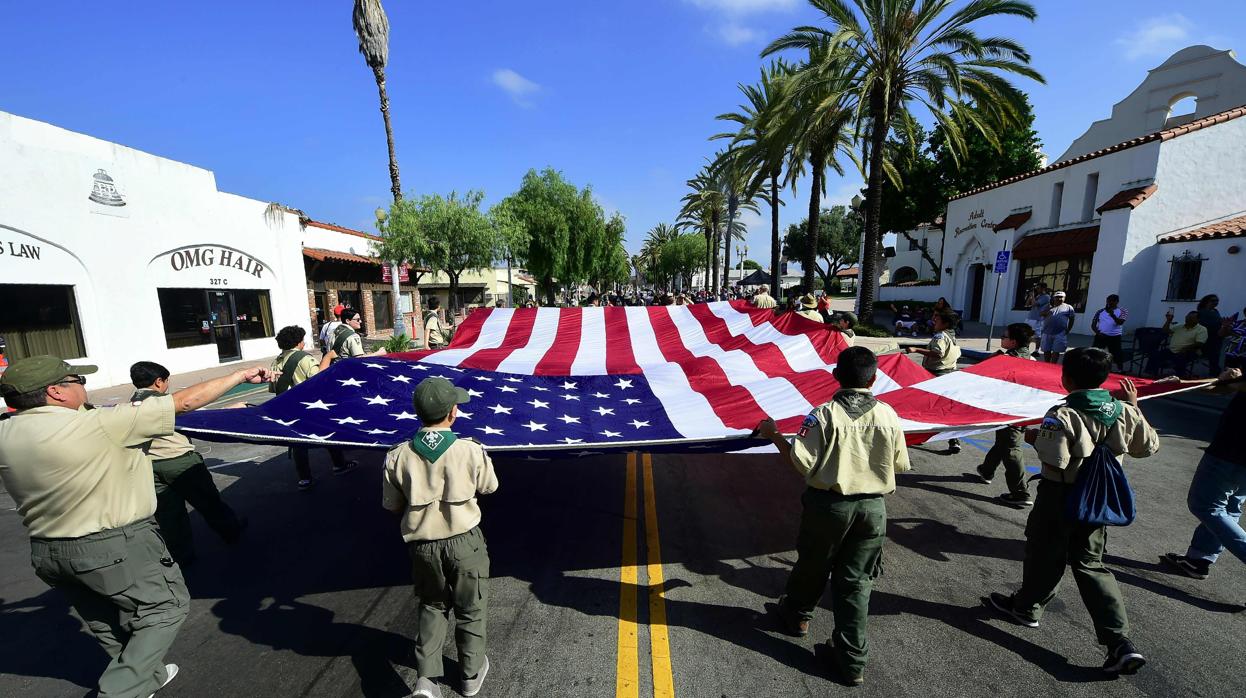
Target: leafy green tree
x=839, y=242
x=901, y=52
x=679, y=258
x=750, y=265
x=610, y=262
x=735, y=172
x=1015, y=151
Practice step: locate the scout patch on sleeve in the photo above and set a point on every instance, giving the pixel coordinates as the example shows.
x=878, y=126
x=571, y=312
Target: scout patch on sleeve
x=1050, y=427
x=805, y=426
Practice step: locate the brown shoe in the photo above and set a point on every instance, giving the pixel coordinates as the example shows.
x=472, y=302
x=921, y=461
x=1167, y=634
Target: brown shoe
x=788, y=622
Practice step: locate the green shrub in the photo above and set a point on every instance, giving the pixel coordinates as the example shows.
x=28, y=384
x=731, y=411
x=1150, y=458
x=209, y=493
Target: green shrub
x=397, y=344
x=873, y=331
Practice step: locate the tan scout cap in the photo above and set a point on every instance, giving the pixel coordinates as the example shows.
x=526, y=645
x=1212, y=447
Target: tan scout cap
x=34, y=372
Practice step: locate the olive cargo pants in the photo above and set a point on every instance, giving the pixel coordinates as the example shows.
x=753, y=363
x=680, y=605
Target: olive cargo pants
x=186, y=480
x=129, y=591
x=452, y=573
x=841, y=537
x=1008, y=449
x=1052, y=542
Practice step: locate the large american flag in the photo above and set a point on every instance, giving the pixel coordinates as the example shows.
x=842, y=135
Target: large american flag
x=663, y=378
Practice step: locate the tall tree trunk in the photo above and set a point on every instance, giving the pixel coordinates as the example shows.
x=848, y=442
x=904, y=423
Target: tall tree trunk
x=394, y=186
x=873, y=207
x=774, y=233
x=817, y=161
x=709, y=242
x=547, y=285
x=717, y=221
x=733, y=205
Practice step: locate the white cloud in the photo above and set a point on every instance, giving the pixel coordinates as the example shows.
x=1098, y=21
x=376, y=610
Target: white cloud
x=741, y=7
x=1157, y=37
x=735, y=34
x=516, y=85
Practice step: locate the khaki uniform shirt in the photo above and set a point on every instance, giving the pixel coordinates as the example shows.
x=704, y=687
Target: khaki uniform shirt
x=944, y=345
x=811, y=314
x=77, y=472
x=437, y=499
x=763, y=300
x=837, y=452
x=305, y=369
x=434, y=333
x=353, y=346
x=164, y=447
x=1067, y=437
x=849, y=336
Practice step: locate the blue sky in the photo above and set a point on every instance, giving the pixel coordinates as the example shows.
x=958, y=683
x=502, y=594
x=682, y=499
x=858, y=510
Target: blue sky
x=275, y=99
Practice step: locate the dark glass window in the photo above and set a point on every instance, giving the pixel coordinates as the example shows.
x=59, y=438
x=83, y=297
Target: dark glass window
x=184, y=312
x=255, y=315
x=382, y=312
x=1071, y=275
x=350, y=299
x=1183, y=277
x=39, y=319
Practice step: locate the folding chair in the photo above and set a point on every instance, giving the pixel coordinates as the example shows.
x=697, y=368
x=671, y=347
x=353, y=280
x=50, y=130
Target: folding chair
x=1146, y=342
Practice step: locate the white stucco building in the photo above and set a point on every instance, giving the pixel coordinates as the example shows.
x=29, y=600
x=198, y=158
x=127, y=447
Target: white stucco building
x=909, y=264
x=1149, y=203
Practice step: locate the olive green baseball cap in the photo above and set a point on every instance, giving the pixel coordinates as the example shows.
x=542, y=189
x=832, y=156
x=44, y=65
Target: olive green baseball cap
x=434, y=397
x=34, y=372
x=848, y=315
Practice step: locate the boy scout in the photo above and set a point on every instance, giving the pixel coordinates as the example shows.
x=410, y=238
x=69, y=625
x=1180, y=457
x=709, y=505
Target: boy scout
x=1068, y=435
x=1009, y=441
x=181, y=477
x=809, y=308
x=85, y=491
x=433, y=481
x=845, y=322
x=291, y=367
x=434, y=333
x=940, y=355
x=848, y=451
x=347, y=342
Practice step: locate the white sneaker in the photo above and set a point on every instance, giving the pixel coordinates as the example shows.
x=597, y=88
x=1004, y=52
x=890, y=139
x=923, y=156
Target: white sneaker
x=426, y=688
x=472, y=686
x=170, y=671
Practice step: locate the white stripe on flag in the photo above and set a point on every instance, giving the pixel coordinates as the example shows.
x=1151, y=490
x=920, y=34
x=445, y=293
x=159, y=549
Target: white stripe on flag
x=991, y=394
x=777, y=397
x=492, y=332
x=689, y=411
x=797, y=349
x=544, y=332
x=590, y=358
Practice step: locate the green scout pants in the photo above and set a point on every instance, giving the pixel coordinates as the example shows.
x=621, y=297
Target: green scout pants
x=841, y=537
x=1053, y=541
x=452, y=573
x=186, y=479
x=130, y=592
x=1009, y=443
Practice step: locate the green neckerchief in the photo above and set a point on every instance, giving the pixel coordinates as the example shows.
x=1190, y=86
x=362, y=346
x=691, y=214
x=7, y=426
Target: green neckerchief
x=1099, y=405
x=432, y=444
x=144, y=393
x=1021, y=352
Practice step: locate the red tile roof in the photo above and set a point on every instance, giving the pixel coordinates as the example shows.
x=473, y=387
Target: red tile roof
x=1013, y=221
x=850, y=271
x=322, y=255
x=1164, y=135
x=1065, y=243
x=340, y=229
x=1128, y=198
x=1232, y=228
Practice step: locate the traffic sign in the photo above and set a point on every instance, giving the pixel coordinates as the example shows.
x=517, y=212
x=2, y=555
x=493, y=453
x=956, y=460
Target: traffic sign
x=1001, y=262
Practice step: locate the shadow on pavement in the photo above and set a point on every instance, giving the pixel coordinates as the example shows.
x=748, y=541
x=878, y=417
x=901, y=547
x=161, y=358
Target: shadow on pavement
x=69, y=653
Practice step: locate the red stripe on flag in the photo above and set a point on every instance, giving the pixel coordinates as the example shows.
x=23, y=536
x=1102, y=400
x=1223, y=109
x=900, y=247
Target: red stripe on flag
x=917, y=405
x=733, y=404
x=469, y=330
x=557, y=361
x=518, y=331
x=619, y=355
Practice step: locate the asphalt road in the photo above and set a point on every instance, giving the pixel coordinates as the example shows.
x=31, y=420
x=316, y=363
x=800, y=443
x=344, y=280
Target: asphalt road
x=315, y=601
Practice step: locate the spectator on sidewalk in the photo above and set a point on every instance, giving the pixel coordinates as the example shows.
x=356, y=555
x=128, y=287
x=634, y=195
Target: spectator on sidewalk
x=1209, y=318
x=848, y=450
x=181, y=477
x=940, y=355
x=327, y=329
x=1017, y=341
x=1218, y=489
x=1057, y=323
x=1108, y=325
x=809, y=308
x=1234, y=333
x=763, y=299
x=1184, y=343
x=904, y=320
x=1037, y=300
x=291, y=367
x=1069, y=434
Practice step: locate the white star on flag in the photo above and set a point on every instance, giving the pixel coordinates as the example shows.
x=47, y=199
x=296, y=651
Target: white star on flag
x=512, y=379
x=350, y=420
x=623, y=384
x=378, y=400
x=601, y=395
x=537, y=387
x=533, y=426
x=351, y=381
x=464, y=415
x=420, y=367
x=569, y=440
x=380, y=431
x=611, y=434
x=500, y=409
x=571, y=397
x=569, y=419
x=404, y=415
x=568, y=385
x=282, y=422
x=631, y=401
x=508, y=389
x=537, y=404
x=484, y=379
x=371, y=365
x=318, y=437
x=319, y=405
x=490, y=431
x=474, y=393
x=401, y=379
x=603, y=411
x=638, y=424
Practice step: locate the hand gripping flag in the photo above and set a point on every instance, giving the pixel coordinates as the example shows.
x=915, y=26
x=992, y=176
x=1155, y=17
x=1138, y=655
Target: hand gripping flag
x=591, y=380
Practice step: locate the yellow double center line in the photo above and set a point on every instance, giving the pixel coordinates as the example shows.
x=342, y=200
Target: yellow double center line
x=627, y=676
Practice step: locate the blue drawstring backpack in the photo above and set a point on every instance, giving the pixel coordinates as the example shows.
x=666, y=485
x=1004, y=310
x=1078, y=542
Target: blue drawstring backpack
x=1101, y=496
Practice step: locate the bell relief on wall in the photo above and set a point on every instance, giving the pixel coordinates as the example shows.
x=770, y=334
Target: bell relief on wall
x=104, y=190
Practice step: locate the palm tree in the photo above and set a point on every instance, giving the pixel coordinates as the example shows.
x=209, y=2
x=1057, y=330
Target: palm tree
x=657, y=236
x=765, y=143
x=902, y=52
x=702, y=210
x=734, y=172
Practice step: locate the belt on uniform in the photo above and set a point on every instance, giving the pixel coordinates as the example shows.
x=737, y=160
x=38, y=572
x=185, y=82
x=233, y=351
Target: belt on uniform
x=106, y=533
x=839, y=496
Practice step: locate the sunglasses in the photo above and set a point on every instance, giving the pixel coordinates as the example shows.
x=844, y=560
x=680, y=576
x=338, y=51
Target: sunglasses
x=80, y=380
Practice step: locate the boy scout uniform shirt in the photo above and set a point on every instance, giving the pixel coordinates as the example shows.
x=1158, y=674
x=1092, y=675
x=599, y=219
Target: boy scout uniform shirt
x=77, y=472
x=433, y=332
x=834, y=451
x=306, y=368
x=810, y=314
x=1067, y=436
x=437, y=499
x=763, y=300
x=944, y=345
x=163, y=447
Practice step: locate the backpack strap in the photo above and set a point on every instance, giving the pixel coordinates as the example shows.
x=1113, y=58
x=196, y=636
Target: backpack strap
x=340, y=335
x=286, y=381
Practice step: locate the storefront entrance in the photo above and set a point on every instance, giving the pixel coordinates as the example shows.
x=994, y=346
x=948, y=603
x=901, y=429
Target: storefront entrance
x=977, y=280
x=194, y=316
x=224, y=318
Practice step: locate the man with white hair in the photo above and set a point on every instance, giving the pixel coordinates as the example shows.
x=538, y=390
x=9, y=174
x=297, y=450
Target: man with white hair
x=1057, y=323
